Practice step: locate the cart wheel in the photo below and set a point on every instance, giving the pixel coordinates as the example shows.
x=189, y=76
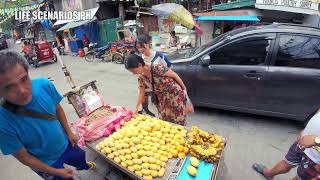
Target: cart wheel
x=90, y=56
x=118, y=58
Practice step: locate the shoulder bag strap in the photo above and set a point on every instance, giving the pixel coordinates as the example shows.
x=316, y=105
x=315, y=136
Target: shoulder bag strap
x=152, y=80
x=152, y=84
x=24, y=112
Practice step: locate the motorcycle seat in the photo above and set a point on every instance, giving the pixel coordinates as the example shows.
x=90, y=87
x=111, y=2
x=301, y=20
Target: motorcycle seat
x=103, y=48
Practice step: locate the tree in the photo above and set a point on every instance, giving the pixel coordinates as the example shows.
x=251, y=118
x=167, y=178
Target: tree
x=11, y=4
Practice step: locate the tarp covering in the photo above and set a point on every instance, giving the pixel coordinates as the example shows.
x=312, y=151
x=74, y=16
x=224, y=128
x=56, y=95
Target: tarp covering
x=47, y=24
x=174, y=12
x=72, y=25
x=90, y=29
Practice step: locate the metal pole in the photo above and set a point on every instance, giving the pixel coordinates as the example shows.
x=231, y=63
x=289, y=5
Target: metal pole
x=136, y=4
x=64, y=69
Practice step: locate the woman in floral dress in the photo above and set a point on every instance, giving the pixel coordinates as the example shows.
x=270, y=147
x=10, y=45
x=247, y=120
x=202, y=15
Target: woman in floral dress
x=168, y=87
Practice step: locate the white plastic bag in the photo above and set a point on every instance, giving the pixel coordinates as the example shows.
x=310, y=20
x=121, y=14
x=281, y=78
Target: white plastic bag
x=189, y=105
x=92, y=100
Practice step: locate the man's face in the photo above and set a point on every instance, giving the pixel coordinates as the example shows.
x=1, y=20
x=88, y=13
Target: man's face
x=15, y=86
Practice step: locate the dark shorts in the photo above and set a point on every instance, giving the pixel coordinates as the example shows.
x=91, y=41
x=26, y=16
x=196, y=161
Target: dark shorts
x=306, y=167
x=73, y=156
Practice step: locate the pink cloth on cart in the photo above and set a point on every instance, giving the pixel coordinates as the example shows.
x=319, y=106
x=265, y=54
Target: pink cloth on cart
x=98, y=128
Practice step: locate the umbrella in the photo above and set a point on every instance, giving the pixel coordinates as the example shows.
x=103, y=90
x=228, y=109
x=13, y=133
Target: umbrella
x=176, y=13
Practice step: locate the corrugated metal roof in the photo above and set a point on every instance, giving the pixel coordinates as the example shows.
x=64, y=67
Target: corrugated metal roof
x=247, y=12
x=227, y=18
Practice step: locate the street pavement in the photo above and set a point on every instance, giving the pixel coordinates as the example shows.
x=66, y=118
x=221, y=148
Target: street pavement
x=250, y=138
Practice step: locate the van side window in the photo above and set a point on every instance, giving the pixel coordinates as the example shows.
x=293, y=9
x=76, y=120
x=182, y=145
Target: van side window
x=253, y=52
x=298, y=51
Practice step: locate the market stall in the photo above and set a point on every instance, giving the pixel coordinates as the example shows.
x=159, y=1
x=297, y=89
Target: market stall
x=141, y=146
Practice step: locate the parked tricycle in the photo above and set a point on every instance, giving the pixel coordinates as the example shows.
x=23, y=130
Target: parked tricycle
x=37, y=52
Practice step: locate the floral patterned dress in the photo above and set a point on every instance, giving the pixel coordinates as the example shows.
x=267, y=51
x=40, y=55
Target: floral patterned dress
x=171, y=98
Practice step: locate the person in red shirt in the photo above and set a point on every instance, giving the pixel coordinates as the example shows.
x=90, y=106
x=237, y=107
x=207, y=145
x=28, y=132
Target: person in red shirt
x=86, y=40
x=27, y=48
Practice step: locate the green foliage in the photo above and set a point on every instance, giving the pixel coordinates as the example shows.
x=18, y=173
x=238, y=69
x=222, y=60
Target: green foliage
x=8, y=23
x=16, y=3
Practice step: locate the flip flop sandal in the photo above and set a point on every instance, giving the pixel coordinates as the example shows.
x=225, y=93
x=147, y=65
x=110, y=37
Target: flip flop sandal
x=259, y=169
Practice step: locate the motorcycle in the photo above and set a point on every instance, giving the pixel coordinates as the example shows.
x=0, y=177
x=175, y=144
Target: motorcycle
x=106, y=53
x=60, y=48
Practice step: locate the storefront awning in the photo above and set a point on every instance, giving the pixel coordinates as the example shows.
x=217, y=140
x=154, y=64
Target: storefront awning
x=75, y=24
x=232, y=15
x=93, y=12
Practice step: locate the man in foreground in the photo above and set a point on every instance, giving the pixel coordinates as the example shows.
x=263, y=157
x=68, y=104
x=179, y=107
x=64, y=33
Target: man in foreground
x=33, y=125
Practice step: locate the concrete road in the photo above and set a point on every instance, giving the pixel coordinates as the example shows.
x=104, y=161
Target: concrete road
x=250, y=138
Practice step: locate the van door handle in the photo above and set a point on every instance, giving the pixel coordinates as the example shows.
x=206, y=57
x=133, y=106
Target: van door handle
x=253, y=75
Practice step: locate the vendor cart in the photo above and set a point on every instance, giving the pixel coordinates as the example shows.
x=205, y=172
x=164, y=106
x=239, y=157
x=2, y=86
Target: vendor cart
x=175, y=167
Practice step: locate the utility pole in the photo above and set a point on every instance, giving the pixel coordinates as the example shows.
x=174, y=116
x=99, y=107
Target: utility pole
x=136, y=4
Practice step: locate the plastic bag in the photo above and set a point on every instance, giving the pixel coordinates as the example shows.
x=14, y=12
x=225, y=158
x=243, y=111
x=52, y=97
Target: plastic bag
x=189, y=105
x=92, y=100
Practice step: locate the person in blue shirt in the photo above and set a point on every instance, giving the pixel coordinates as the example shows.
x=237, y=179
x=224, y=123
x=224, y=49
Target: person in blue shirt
x=143, y=45
x=43, y=145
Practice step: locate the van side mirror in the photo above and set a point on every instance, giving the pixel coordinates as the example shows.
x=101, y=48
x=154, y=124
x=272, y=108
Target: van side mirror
x=205, y=60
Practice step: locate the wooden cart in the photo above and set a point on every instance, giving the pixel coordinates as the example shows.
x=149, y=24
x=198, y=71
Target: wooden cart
x=172, y=168
x=173, y=165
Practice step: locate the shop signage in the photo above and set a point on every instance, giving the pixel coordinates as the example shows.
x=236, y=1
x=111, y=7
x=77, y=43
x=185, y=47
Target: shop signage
x=298, y=6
